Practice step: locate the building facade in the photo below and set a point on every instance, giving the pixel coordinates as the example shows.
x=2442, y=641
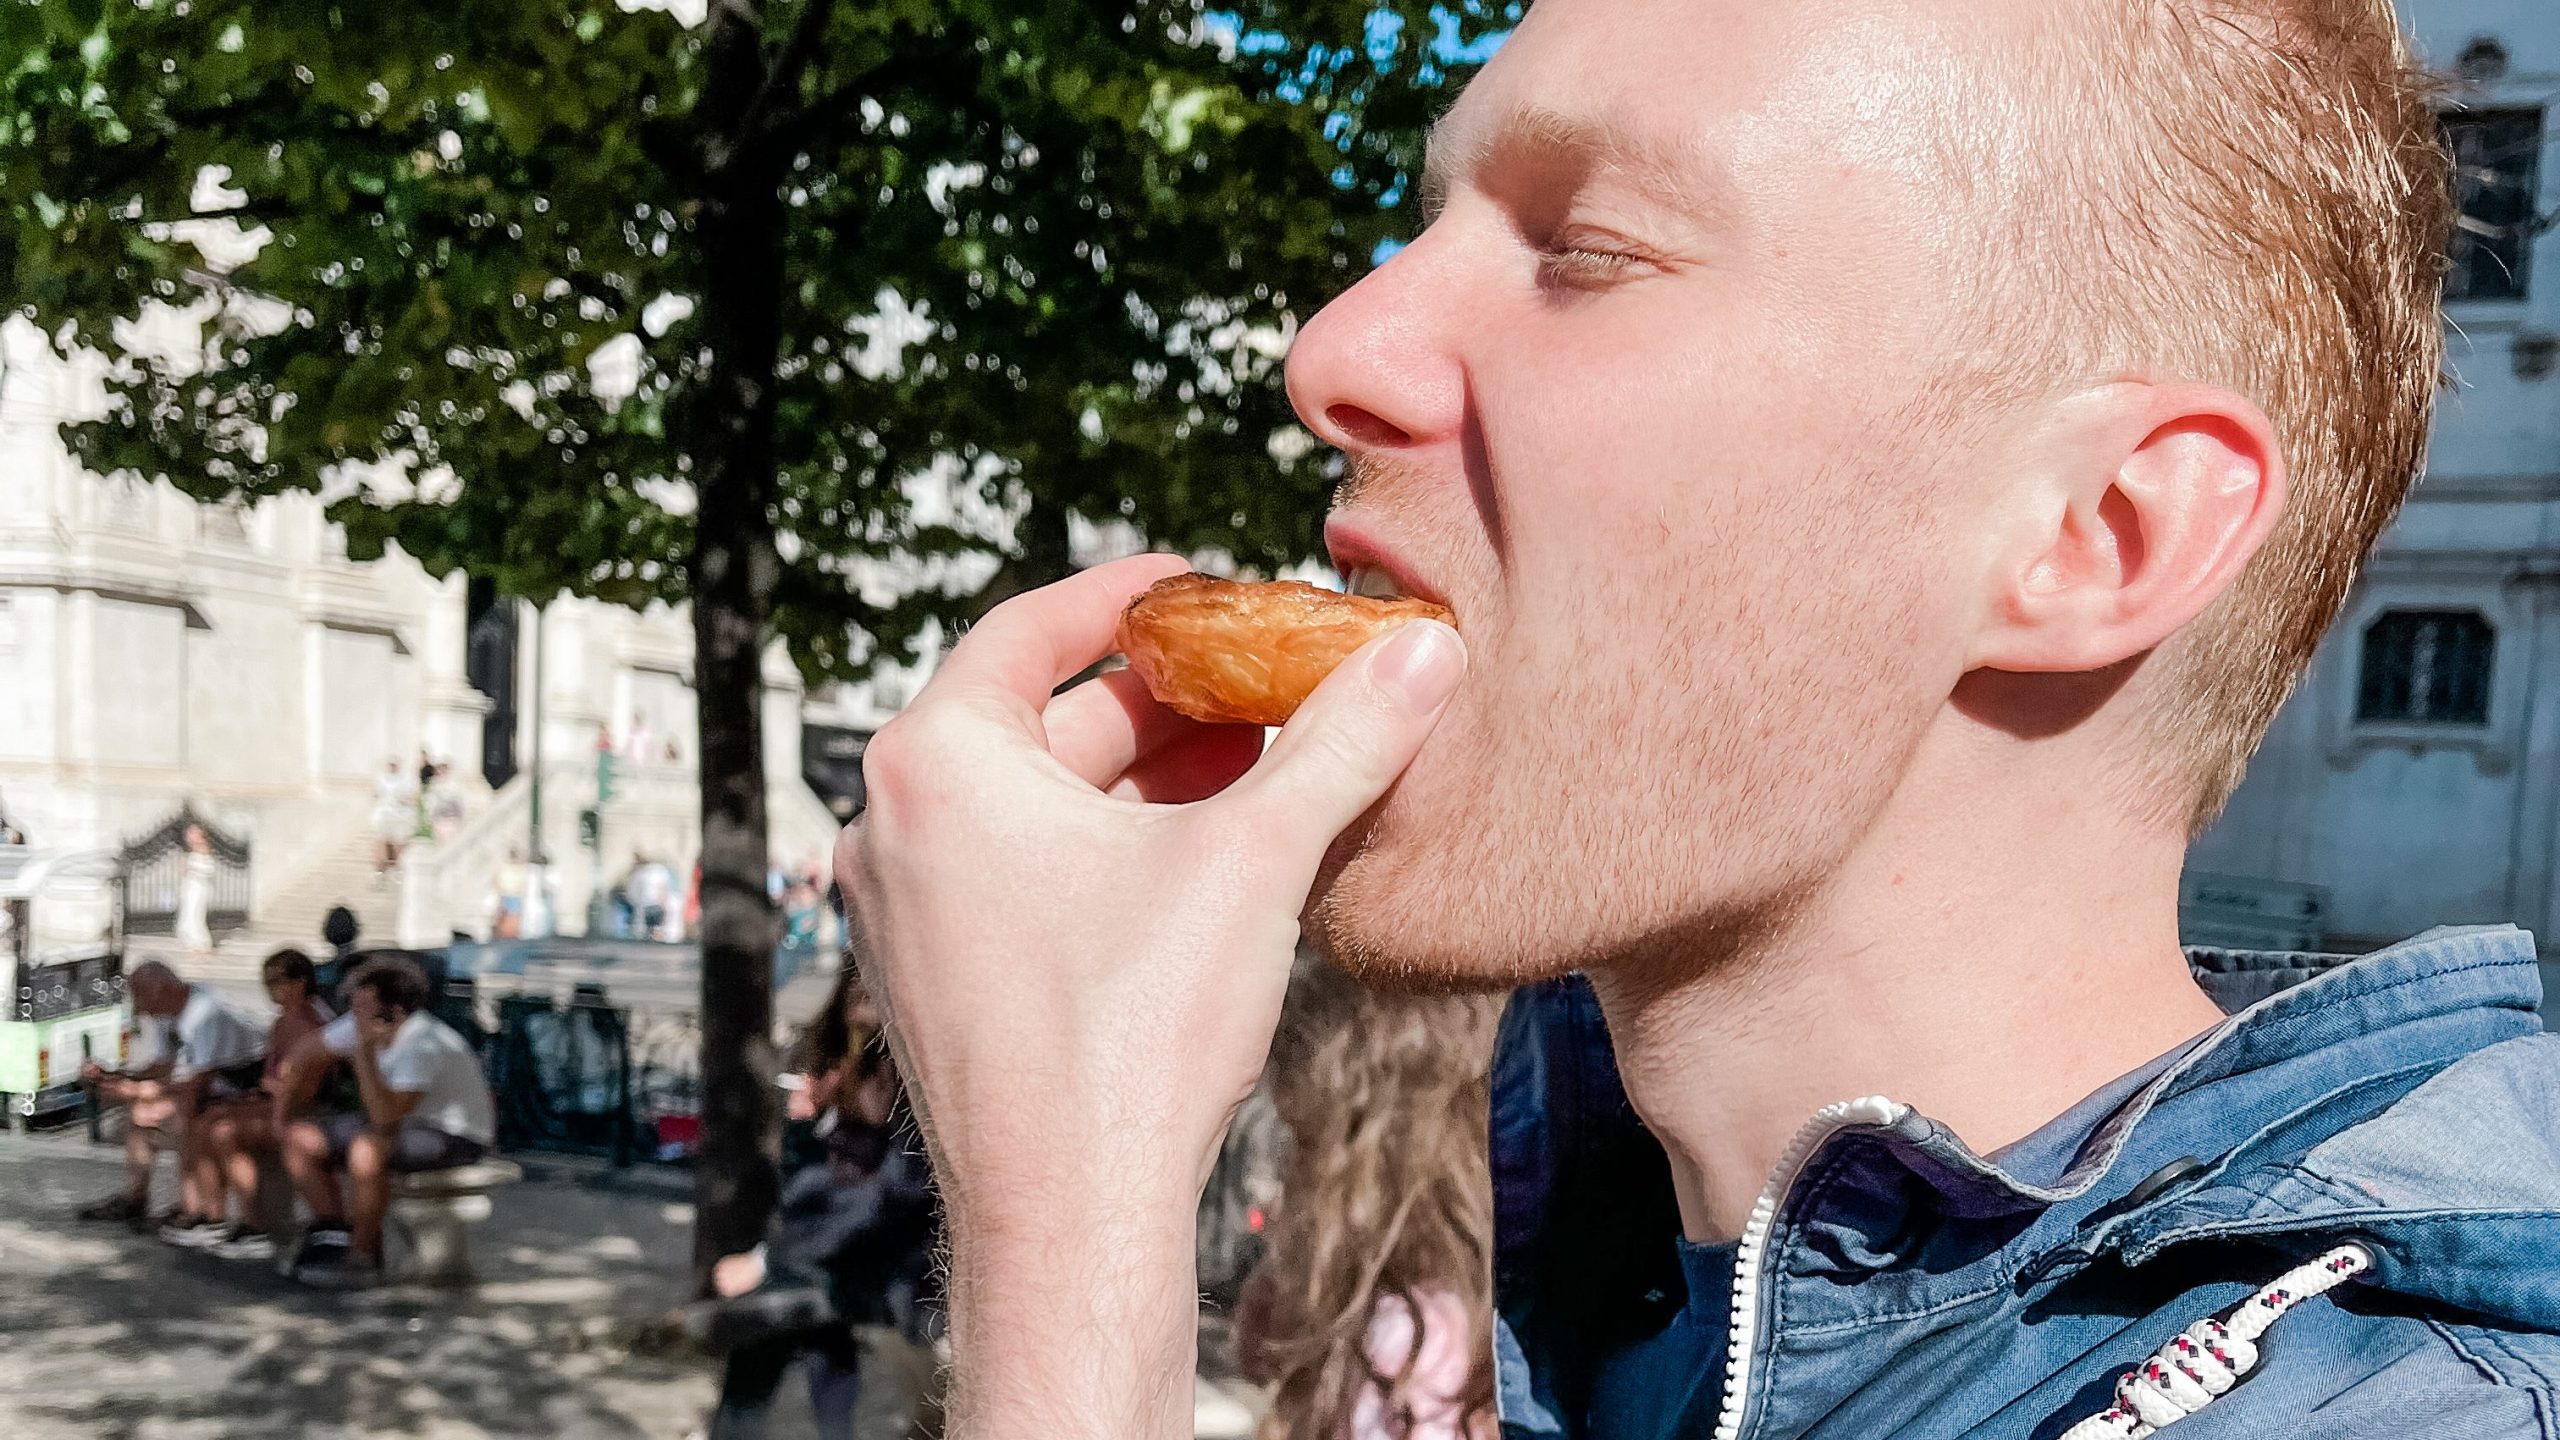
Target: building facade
x=2415, y=778
x=157, y=653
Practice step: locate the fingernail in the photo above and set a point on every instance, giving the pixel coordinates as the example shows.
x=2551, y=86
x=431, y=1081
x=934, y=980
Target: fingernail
x=1421, y=665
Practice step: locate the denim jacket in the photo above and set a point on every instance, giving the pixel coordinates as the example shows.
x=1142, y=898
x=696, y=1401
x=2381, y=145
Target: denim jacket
x=2406, y=1102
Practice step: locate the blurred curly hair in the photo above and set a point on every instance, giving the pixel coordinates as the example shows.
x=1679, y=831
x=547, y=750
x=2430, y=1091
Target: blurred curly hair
x=1387, y=1191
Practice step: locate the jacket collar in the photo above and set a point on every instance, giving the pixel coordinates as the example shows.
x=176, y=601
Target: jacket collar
x=2437, y=997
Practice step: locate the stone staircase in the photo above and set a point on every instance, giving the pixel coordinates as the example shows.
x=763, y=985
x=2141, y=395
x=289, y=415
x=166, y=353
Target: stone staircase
x=233, y=968
x=319, y=853
x=340, y=877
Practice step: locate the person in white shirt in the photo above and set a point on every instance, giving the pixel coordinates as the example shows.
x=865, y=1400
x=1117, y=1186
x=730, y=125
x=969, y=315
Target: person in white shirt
x=652, y=888
x=191, y=1046
x=228, y=1137
x=426, y=1107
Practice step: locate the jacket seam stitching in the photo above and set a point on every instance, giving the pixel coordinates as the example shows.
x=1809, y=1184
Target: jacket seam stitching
x=1822, y=1184
x=2315, y=1005
x=1834, y=1327
x=2336, y=1188
x=2275, y=1224
x=2488, y=1372
x=2542, y=1379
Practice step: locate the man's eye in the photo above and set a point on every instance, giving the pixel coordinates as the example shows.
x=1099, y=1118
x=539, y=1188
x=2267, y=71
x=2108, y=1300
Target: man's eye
x=1581, y=265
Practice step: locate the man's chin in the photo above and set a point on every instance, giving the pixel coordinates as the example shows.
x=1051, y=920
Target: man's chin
x=1391, y=921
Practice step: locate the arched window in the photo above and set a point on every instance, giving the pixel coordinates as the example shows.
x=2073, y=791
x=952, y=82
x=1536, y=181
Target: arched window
x=2427, y=667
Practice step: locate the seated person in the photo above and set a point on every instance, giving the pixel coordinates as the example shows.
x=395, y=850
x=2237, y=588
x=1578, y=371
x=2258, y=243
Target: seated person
x=426, y=1106
x=193, y=1047
x=853, y=1235
x=222, y=1148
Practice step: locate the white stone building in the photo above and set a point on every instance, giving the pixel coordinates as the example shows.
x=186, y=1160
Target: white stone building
x=2416, y=776
x=157, y=653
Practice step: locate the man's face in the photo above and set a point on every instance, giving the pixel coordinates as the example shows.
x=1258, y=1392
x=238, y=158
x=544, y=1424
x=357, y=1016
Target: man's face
x=1649, y=405
x=158, y=996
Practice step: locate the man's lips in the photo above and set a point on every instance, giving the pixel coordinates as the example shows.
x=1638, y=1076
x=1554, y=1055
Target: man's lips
x=1355, y=548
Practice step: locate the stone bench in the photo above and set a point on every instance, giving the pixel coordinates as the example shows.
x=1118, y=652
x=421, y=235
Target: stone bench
x=431, y=1215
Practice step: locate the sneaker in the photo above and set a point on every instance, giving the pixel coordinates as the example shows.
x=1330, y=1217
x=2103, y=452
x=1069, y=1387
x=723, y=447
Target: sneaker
x=317, y=1243
x=344, y=1270
x=194, y=1232
x=759, y=1315
x=321, y=1242
x=123, y=1208
x=245, y=1244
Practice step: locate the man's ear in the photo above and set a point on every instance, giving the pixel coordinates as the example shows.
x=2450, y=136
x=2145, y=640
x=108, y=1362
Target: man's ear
x=2143, y=504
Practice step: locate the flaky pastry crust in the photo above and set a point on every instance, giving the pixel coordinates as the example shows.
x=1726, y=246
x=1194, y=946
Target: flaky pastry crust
x=1236, y=653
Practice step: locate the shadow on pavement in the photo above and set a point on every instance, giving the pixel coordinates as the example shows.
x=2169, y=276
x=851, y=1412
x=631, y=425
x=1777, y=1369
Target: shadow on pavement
x=107, y=1333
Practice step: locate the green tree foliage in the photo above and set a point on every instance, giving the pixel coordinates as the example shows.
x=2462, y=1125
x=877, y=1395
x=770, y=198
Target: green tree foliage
x=1099, y=210
x=1048, y=246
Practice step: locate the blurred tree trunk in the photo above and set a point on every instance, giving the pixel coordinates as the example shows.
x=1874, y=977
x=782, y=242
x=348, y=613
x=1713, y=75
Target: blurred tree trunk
x=735, y=568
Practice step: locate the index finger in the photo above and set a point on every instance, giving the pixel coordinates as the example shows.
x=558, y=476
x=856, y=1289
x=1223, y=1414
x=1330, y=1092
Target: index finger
x=1033, y=643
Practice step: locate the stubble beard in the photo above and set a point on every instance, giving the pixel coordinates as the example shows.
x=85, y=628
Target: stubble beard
x=1662, y=818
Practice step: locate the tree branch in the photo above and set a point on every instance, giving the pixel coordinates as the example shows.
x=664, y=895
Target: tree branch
x=802, y=126
x=798, y=53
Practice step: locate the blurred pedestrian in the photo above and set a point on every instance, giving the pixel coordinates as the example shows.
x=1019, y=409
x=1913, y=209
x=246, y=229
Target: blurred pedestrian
x=223, y=1147
x=652, y=889
x=425, y=1106
x=506, y=902
x=840, y=1279
x=195, y=895
x=395, y=817
x=340, y=929
x=1371, y=1316
x=444, y=803
x=427, y=775
x=193, y=1047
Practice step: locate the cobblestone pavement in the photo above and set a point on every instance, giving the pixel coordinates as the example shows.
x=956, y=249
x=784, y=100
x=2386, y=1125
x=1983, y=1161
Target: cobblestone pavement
x=106, y=1334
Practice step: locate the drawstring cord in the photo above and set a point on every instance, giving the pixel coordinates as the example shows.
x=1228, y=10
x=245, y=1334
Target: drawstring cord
x=2211, y=1356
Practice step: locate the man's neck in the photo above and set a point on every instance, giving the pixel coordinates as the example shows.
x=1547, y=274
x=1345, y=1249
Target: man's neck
x=1991, y=982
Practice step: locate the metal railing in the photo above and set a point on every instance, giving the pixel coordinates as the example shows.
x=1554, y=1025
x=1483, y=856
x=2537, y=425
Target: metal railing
x=155, y=877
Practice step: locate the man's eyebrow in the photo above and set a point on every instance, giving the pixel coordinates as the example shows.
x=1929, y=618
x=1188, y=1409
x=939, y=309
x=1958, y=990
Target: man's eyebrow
x=1537, y=134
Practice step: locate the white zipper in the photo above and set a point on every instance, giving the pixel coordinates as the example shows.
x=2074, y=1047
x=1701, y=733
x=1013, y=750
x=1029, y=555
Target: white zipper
x=1744, y=1335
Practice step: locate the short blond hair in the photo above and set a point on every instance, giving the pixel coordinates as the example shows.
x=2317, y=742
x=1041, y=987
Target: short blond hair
x=2264, y=203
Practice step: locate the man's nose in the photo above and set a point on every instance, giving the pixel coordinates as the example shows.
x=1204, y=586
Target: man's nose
x=1378, y=369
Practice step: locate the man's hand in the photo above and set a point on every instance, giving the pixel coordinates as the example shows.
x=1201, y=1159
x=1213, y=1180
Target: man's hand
x=800, y=1102
x=374, y=1026
x=735, y=1275
x=1080, y=914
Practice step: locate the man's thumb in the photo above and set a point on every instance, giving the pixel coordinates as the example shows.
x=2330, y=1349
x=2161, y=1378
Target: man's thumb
x=1358, y=731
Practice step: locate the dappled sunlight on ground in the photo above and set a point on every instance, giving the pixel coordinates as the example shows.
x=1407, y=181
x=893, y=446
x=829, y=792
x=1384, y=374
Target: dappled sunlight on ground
x=110, y=1334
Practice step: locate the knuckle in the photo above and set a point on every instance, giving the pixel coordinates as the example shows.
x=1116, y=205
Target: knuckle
x=848, y=857
x=919, y=768
x=1007, y=613
x=894, y=766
